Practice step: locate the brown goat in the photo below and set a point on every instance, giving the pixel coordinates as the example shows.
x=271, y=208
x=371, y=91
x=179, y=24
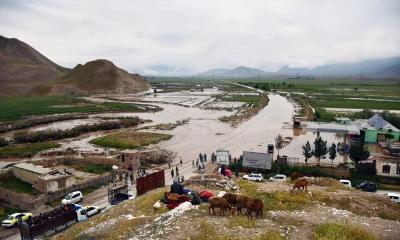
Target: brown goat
x=241, y=202
x=255, y=205
x=231, y=198
x=301, y=183
x=221, y=203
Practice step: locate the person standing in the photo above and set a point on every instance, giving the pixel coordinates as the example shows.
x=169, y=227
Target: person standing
x=201, y=157
x=172, y=173
x=205, y=157
x=193, y=164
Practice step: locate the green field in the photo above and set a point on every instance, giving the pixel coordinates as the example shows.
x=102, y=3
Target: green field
x=26, y=150
x=9, y=181
x=13, y=108
x=130, y=140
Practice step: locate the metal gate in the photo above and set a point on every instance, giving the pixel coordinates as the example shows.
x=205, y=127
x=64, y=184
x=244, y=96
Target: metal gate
x=149, y=182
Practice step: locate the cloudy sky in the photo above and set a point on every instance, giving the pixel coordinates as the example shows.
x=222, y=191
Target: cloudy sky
x=192, y=36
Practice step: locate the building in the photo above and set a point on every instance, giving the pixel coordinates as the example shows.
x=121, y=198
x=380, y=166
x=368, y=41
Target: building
x=43, y=179
x=53, y=182
x=387, y=166
x=129, y=160
x=257, y=160
x=376, y=129
x=28, y=172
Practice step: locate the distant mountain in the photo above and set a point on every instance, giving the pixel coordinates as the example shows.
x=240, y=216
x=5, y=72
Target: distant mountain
x=238, y=72
x=378, y=68
x=22, y=68
x=98, y=76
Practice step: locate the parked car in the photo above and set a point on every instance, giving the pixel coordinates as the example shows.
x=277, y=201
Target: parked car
x=257, y=177
x=395, y=197
x=278, y=178
x=345, y=182
x=367, y=187
x=13, y=219
x=72, y=198
x=92, y=210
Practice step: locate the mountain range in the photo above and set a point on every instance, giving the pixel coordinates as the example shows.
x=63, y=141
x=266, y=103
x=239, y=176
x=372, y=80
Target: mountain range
x=24, y=70
x=388, y=68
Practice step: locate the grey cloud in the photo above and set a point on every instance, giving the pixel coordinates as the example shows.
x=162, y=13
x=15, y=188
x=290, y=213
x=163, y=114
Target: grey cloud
x=197, y=35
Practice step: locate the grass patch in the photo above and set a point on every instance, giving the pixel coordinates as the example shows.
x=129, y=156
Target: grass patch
x=341, y=232
x=242, y=221
x=130, y=140
x=206, y=232
x=26, y=150
x=287, y=201
x=270, y=235
x=9, y=181
x=247, y=187
x=91, y=168
x=12, y=108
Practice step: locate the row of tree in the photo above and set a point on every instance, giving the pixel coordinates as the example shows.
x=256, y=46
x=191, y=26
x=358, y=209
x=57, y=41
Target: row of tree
x=358, y=151
x=41, y=136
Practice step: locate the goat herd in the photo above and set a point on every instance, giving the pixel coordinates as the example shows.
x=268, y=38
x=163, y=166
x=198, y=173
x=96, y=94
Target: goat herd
x=232, y=201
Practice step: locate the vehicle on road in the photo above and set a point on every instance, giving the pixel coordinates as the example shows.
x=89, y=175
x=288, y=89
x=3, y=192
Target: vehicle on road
x=72, y=198
x=395, y=197
x=367, y=187
x=13, y=219
x=270, y=148
x=92, y=210
x=257, y=177
x=278, y=178
x=345, y=182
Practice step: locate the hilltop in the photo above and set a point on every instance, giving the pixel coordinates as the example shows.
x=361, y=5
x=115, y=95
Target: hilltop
x=99, y=76
x=22, y=67
x=24, y=70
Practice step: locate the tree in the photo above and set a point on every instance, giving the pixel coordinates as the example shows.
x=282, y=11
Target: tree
x=332, y=152
x=358, y=151
x=307, y=151
x=320, y=148
x=279, y=143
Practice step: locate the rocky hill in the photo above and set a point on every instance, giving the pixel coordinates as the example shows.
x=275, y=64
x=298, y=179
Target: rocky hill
x=98, y=76
x=22, y=68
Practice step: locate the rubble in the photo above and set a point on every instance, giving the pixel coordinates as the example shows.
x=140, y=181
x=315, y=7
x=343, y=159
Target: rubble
x=215, y=180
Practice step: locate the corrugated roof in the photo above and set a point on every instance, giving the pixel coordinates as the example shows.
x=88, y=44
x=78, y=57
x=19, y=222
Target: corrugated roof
x=333, y=128
x=33, y=168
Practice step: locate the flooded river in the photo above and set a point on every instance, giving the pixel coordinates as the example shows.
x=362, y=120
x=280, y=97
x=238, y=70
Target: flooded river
x=205, y=133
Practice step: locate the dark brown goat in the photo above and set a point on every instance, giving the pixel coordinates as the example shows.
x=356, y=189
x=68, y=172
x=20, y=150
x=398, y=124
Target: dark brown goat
x=241, y=202
x=221, y=203
x=231, y=198
x=255, y=205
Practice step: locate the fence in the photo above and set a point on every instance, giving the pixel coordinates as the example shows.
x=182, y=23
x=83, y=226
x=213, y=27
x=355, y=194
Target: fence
x=25, y=201
x=86, y=160
x=149, y=182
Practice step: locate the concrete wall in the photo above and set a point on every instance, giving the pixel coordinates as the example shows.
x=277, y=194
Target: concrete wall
x=24, y=175
x=393, y=168
x=27, y=202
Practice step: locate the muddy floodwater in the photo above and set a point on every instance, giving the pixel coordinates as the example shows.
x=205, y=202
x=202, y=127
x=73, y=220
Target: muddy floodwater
x=205, y=133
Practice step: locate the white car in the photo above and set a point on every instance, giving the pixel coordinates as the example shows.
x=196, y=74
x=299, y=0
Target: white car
x=72, y=198
x=278, y=178
x=345, y=182
x=395, y=197
x=92, y=210
x=257, y=177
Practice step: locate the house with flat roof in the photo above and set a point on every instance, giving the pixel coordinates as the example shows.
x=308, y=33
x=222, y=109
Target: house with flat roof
x=29, y=172
x=377, y=129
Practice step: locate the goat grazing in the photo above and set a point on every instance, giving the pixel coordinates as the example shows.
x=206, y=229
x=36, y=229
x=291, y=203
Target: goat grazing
x=221, y=203
x=301, y=183
x=255, y=205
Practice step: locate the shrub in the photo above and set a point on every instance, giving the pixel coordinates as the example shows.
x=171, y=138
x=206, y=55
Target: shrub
x=341, y=232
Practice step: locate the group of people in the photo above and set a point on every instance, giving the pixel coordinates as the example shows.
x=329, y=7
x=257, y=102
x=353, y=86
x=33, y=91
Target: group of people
x=176, y=175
